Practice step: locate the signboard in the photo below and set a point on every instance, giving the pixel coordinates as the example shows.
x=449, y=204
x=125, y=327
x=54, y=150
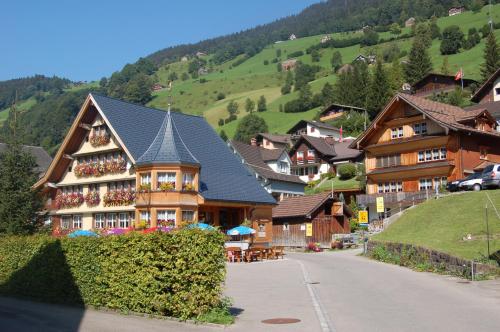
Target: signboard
x=302, y=227
x=363, y=217
x=380, y=205
x=309, y=229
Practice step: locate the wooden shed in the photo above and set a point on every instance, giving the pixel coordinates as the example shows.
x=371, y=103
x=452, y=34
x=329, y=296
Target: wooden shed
x=298, y=221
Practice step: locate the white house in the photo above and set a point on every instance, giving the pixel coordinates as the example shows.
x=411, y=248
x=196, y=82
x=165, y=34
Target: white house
x=314, y=129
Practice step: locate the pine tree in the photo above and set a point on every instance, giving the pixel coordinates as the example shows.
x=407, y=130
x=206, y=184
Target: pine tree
x=445, y=67
x=19, y=204
x=419, y=62
x=396, y=76
x=327, y=95
x=261, y=104
x=249, y=105
x=491, y=57
x=379, y=91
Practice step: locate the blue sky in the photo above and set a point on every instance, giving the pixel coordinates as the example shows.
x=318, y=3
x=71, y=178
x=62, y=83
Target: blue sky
x=86, y=40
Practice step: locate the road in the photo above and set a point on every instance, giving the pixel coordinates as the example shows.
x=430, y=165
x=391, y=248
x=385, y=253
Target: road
x=343, y=292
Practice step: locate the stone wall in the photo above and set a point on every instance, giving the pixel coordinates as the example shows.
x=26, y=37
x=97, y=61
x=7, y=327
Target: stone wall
x=436, y=259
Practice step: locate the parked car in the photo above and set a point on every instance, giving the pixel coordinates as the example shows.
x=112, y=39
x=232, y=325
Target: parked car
x=472, y=182
x=491, y=176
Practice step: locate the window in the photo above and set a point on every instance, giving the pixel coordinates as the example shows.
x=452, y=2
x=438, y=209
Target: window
x=300, y=157
x=399, y=186
x=397, y=132
x=310, y=153
x=420, y=128
x=423, y=129
x=416, y=128
x=443, y=153
x=313, y=129
x=425, y=184
x=166, y=217
x=380, y=187
x=187, y=215
x=428, y=155
x=93, y=188
x=124, y=220
x=435, y=154
x=99, y=220
x=388, y=161
x=421, y=156
x=111, y=220
x=65, y=222
x=483, y=153
x=77, y=221
x=393, y=187
x=146, y=178
x=145, y=216
x=166, y=177
x=283, y=167
x=286, y=226
x=187, y=178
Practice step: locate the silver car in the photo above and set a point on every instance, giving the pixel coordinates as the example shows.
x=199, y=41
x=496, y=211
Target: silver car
x=491, y=176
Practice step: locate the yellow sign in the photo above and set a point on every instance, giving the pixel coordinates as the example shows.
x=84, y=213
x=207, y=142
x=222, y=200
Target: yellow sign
x=309, y=229
x=363, y=217
x=380, y=205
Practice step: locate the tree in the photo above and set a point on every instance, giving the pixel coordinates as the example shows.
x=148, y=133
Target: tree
x=395, y=29
x=336, y=60
x=327, y=95
x=103, y=82
x=138, y=90
x=370, y=37
x=304, y=74
x=419, y=62
x=221, y=122
x=184, y=76
x=396, y=76
x=315, y=56
x=249, y=105
x=423, y=33
x=278, y=52
x=476, y=6
x=250, y=126
x=491, y=57
x=232, y=108
x=435, y=30
x=445, y=67
x=287, y=88
x=473, y=38
x=352, y=122
x=379, y=91
x=261, y=104
x=223, y=135
x=453, y=40
x=19, y=204
x=173, y=76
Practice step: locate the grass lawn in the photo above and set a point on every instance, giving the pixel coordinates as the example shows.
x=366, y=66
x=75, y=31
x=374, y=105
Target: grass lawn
x=441, y=225
x=21, y=106
x=337, y=185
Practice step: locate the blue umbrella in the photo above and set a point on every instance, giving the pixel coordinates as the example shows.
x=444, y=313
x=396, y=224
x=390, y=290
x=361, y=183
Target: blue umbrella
x=82, y=232
x=241, y=230
x=201, y=225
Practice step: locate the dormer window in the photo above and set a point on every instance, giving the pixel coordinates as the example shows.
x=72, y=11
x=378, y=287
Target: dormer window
x=420, y=128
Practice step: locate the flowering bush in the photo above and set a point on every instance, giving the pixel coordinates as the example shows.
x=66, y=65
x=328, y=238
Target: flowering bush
x=145, y=187
x=99, y=140
x=119, y=197
x=157, y=229
x=142, y=224
x=71, y=200
x=313, y=247
x=100, y=168
x=166, y=186
x=92, y=198
x=188, y=186
x=166, y=223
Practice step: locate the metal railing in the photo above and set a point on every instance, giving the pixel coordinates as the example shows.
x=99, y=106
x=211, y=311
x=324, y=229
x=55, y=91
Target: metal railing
x=389, y=198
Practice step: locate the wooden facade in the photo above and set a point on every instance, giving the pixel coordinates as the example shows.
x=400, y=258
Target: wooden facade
x=438, y=83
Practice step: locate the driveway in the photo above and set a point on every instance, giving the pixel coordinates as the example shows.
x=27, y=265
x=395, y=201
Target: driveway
x=330, y=291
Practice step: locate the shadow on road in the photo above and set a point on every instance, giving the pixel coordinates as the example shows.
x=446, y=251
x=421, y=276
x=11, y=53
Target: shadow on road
x=47, y=278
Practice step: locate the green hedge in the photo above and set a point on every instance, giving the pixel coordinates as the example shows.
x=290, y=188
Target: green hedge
x=176, y=274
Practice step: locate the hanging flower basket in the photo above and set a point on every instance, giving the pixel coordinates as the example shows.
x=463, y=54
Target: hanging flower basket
x=67, y=201
x=188, y=187
x=97, y=169
x=92, y=198
x=99, y=140
x=119, y=197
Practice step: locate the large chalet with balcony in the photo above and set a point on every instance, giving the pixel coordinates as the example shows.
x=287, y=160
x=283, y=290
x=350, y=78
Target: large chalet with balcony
x=417, y=145
x=122, y=165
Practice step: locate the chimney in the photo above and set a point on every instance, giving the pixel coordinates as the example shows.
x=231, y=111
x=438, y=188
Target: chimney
x=253, y=141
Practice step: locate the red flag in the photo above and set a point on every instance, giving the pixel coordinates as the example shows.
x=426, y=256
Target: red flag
x=459, y=74
x=341, y=133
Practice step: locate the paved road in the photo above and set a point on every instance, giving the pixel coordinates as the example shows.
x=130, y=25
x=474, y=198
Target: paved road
x=345, y=293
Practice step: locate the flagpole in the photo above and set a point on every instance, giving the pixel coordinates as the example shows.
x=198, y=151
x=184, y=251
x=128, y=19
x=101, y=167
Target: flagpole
x=462, y=78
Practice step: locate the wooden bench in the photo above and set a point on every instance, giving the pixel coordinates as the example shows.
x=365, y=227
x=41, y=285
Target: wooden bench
x=233, y=254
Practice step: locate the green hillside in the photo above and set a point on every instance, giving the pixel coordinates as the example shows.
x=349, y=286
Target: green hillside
x=253, y=78
x=442, y=224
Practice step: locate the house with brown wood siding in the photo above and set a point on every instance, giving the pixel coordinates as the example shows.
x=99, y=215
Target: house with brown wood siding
x=415, y=146
x=325, y=213
x=434, y=83
x=123, y=165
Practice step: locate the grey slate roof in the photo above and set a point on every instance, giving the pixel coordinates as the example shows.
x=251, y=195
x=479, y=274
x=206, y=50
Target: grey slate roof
x=344, y=152
x=222, y=176
x=254, y=157
x=167, y=147
x=303, y=123
x=42, y=158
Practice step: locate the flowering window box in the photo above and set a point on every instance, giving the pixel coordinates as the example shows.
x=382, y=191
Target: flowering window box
x=145, y=187
x=166, y=223
x=68, y=201
x=119, y=198
x=188, y=187
x=92, y=198
x=99, y=140
x=166, y=186
x=98, y=169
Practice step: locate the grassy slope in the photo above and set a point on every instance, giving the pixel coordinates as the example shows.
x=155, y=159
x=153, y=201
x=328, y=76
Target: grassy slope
x=337, y=184
x=441, y=225
x=22, y=106
x=252, y=78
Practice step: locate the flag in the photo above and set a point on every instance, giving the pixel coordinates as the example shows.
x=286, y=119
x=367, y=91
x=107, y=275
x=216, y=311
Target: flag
x=459, y=75
x=341, y=133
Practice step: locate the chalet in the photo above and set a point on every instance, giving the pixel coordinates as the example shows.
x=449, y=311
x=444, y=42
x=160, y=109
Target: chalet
x=271, y=167
x=368, y=59
x=434, y=83
x=489, y=91
x=410, y=22
x=336, y=110
x=292, y=37
x=325, y=214
x=492, y=107
x=456, y=10
x=313, y=128
x=41, y=156
x=325, y=39
x=289, y=64
x=123, y=165
x=312, y=156
x=415, y=146
x=273, y=141
x=157, y=87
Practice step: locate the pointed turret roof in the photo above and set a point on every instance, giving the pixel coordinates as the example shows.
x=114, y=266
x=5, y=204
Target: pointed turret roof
x=167, y=147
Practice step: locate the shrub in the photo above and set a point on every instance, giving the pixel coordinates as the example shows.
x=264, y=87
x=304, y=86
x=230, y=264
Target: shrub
x=176, y=274
x=347, y=171
x=295, y=54
x=221, y=96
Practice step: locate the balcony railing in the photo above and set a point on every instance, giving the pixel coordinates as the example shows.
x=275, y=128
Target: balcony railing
x=401, y=197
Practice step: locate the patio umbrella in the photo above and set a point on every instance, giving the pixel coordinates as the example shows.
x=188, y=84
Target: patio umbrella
x=82, y=232
x=201, y=225
x=241, y=230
